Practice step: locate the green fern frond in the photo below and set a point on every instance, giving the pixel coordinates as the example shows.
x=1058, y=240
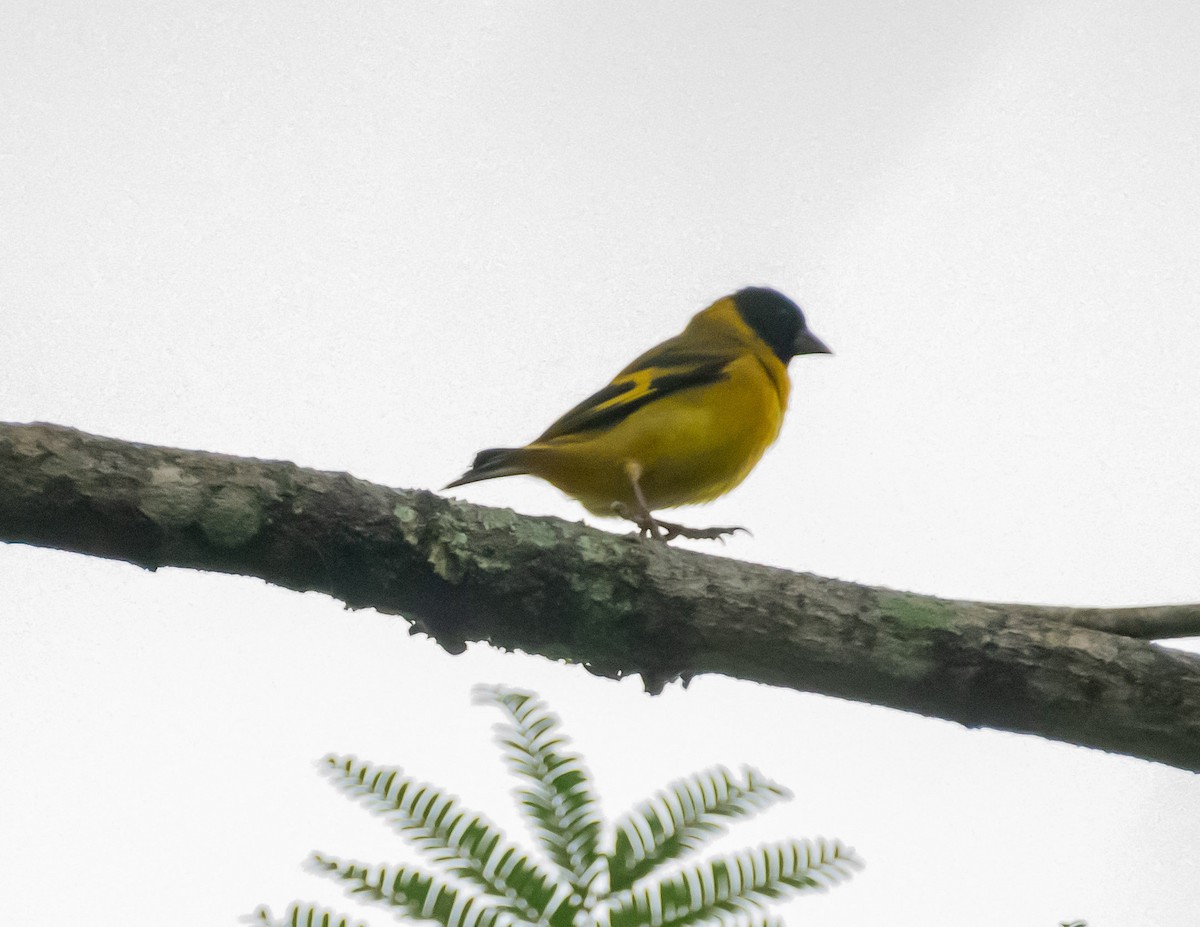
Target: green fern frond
x=417, y=893
x=681, y=817
x=731, y=889
x=484, y=880
x=557, y=793
x=461, y=842
x=303, y=914
x=736, y=913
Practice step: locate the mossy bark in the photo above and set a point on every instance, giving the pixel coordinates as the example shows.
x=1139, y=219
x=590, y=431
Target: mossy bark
x=619, y=606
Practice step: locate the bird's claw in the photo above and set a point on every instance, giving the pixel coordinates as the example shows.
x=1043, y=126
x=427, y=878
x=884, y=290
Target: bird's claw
x=650, y=527
x=717, y=533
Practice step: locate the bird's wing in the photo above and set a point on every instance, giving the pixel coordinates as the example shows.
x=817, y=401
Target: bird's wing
x=658, y=373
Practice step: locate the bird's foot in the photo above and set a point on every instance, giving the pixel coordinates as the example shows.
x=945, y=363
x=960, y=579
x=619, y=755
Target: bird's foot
x=650, y=527
x=719, y=533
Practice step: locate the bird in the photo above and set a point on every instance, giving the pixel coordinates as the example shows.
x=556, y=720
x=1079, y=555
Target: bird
x=684, y=423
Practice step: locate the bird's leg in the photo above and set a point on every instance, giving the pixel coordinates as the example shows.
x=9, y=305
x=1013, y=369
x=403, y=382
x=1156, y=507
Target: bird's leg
x=640, y=516
x=649, y=526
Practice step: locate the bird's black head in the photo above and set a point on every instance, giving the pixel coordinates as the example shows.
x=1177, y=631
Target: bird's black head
x=777, y=321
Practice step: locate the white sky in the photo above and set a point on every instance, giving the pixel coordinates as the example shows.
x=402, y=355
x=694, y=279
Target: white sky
x=377, y=237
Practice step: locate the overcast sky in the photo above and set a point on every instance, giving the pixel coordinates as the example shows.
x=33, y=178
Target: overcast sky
x=378, y=236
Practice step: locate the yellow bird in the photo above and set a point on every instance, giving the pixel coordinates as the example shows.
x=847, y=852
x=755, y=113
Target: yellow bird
x=684, y=423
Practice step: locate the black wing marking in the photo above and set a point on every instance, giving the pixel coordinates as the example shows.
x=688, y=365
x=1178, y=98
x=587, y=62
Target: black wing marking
x=646, y=380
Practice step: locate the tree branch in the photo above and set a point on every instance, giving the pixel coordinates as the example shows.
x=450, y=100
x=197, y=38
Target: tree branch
x=464, y=572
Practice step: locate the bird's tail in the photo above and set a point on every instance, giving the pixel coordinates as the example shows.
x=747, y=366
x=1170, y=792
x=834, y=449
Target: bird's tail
x=492, y=463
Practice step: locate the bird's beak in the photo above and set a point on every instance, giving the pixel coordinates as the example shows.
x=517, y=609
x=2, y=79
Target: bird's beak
x=808, y=343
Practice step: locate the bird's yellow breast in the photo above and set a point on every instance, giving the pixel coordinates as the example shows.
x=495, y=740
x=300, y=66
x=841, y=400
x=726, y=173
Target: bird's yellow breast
x=690, y=446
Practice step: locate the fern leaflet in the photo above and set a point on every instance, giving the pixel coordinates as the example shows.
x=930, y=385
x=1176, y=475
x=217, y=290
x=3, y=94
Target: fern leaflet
x=459, y=841
x=418, y=894
x=556, y=796
x=303, y=914
x=737, y=885
x=680, y=818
